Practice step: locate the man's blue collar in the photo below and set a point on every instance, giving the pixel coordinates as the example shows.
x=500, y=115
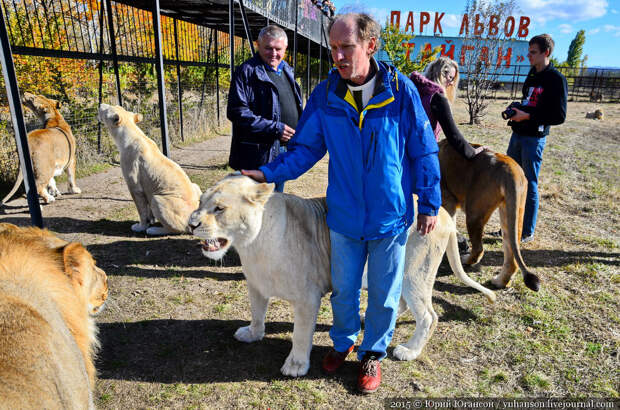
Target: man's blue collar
x=270, y=68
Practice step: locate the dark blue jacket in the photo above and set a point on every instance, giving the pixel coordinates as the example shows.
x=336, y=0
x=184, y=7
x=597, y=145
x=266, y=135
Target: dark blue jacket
x=379, y=155
x=254, y=110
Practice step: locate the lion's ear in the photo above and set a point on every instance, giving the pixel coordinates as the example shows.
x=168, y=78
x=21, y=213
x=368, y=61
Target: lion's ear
x=137, y=118
x=75, y=258
x=261, y=193
x=58, y=104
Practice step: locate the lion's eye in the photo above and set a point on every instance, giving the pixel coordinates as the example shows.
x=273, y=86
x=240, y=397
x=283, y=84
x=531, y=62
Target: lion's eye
x=218, y=209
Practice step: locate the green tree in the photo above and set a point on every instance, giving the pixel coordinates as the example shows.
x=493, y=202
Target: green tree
x=394, y=41
x=575, y=50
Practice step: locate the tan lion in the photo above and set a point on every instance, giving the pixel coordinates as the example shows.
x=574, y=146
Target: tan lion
x=52, y=149
x=159, y=187
x=48, y=291
x=283, y=242
x=479, y=186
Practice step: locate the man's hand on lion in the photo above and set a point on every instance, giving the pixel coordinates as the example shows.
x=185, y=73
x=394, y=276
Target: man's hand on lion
x=426, y=224
x=255, y=174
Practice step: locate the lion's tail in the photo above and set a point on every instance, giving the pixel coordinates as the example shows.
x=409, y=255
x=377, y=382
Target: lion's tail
x=515, y=207
x=452, y=252
x=20, y=178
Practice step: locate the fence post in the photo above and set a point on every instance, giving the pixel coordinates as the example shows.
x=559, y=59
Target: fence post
x=179, y=89
x=101, y=11
x=295, y=38
x=594, y=85
x=231, y=34
x=161, y=85
x=114, y=54
x=246, y=26
x=17, y=116
x=308, y=72
x=321, y=50
x=217, y=78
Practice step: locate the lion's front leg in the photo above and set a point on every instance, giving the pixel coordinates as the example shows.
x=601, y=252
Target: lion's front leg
x=142, y=205
x=298, y=361
x=256, y=330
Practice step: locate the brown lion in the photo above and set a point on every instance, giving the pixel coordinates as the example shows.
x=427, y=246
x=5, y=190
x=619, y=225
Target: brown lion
x=479, y=186
x=48, y=291
x=52, y=149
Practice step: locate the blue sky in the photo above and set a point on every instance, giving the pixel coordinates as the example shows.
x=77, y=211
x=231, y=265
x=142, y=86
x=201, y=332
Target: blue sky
x=560, y=18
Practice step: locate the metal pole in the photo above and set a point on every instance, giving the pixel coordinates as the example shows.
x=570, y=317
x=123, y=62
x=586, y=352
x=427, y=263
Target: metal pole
x=179, y=89
x=114, y=55
x=101, y=11
x=231, y=35
x=321, y=50
x=161, y=85
x=308, y=72
x=17, y=116
x=217, y=79
x=246, y=26
x=295, y=37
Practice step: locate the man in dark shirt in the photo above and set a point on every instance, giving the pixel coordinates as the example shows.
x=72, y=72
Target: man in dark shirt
x=543, y=105
x=264, y=104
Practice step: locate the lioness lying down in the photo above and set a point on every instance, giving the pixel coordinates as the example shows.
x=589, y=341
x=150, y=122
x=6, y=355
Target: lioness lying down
x=48, y=290
x=52, y=149
x=283, y=242
x=159, y=187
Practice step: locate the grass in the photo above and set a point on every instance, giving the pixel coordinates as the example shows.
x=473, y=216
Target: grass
x=167, y=331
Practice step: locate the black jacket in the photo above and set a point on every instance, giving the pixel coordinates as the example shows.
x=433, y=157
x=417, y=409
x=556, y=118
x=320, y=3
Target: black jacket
x=544, y=98
x=254, y=110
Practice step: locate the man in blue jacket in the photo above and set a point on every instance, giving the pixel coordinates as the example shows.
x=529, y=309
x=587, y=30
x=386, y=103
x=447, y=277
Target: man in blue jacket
x=264, y=104
x=381, y=150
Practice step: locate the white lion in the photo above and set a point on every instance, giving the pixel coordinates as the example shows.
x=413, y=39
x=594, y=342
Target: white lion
x=159, y=187
x=283, y=242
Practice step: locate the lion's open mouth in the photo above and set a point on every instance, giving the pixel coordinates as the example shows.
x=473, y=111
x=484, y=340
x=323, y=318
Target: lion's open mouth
x=213, y=245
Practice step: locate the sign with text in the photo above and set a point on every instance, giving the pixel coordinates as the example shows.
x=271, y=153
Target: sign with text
x=509, y=53
x=476, y=25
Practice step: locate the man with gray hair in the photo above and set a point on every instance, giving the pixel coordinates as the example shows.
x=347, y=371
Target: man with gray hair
x=370, y=119
x=264, y=104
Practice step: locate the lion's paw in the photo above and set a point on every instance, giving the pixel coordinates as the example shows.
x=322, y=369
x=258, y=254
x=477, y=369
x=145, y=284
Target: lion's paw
x=403, y=353
x=137, y=227
x=294, y=367
x=499, y=282
x=75, y=190
x=246, y=335
x=48, y=199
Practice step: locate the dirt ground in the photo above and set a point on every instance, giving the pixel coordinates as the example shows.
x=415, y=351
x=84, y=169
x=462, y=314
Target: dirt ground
x=167, y=330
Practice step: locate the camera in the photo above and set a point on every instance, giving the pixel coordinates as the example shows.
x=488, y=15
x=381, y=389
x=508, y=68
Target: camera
x=510, y=112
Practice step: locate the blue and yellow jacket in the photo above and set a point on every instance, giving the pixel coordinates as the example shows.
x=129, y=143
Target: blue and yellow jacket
x=379, y=155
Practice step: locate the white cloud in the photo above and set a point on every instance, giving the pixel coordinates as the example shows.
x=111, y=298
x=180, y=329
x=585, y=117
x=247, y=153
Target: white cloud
x=614, y=11
x=594, y=31
x=565, y=28
x=612, y=30
x=575, y=10
x=451, y=21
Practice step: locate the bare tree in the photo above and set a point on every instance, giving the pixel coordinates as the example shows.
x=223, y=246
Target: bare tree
x=485, y=55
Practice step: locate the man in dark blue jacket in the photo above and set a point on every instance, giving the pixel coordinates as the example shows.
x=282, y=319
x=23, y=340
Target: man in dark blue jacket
x=264, y=104
x=370, y=119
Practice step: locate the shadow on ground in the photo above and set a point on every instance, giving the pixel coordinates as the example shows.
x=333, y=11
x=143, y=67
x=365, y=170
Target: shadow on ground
x=195, y=351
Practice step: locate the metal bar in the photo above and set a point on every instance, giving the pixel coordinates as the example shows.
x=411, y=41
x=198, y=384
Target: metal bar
x=231, y=34
x=77, y=9
x=90, y=42
x=64, y=22
x=321, y=50
x=114, y=54
x=19, y=24
x=308, y=72
x=246, y=26
x=217, y=79
x=47, y=19
x=295, y=37
x=161, y=85
x=100, y=72
x=36, y=14
x=179, y=89
x=17, y=116
x=119, y=27
x=92, y=18
x=34, y=43
x=205, y=75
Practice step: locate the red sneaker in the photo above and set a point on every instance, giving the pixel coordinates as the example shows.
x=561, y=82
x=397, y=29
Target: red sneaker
x=369, y=377
x=334, y=359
